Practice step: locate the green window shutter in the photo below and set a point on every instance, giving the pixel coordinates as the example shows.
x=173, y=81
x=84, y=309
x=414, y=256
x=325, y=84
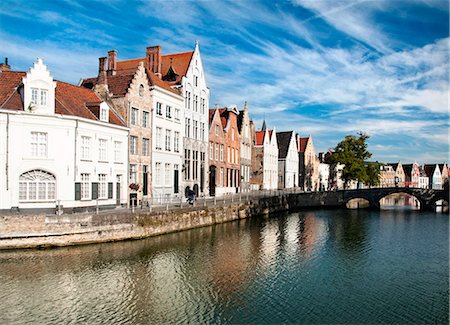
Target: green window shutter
x=77, y=191
x=110, y=190
x=94, y=191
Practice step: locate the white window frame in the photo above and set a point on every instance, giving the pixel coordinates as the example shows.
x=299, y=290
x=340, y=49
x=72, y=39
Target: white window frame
x=176, y=141
x=102, y=149
x=117, y=151
x=145, y=119
x=39, y=144
x=133, y=145
x=158, y=144
x=85, y=147
x=168, y=140
x=134, y=116
x=102, y=186
x=145, y=147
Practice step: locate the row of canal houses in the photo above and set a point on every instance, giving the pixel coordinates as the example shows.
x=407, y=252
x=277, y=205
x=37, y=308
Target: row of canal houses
x=139, y=131
x=431, y=176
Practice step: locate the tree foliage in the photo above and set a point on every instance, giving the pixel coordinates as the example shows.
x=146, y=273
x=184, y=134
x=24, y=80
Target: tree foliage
x=352, y=153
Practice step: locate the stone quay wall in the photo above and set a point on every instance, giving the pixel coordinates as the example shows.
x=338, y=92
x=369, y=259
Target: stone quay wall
x=44, y=230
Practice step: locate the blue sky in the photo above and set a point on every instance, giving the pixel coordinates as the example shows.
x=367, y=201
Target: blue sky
x=325, y=68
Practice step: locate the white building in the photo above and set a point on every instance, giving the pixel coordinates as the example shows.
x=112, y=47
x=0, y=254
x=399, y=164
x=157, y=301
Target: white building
x=266, y=159
x=435, y=176
x=167, y=144
x=59, y=144
x=324, y=176
x=287, y=160
x=245, y=132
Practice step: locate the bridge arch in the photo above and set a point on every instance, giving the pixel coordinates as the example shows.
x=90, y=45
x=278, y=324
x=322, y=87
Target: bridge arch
x=405, y=194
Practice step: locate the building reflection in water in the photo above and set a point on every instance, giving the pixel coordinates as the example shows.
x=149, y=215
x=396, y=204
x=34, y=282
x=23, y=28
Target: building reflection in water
x=400, y=200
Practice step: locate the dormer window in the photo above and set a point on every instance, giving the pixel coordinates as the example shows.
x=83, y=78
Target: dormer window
x=39, y=96
x=103, y=114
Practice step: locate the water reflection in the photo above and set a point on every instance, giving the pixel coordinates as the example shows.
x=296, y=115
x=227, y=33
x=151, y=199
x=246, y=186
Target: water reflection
x=400, y=200
x=311, y=266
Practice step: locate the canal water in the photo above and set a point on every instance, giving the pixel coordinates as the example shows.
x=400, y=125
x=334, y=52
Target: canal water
x=310, y=267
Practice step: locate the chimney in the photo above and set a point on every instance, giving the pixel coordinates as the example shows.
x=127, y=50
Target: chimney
x=101, y=79
x=112, y=63
x=154, y=61
x=5, y=66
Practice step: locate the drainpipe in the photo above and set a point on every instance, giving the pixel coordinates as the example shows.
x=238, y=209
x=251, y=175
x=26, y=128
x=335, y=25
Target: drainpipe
x=75, y=153
x=7, y=152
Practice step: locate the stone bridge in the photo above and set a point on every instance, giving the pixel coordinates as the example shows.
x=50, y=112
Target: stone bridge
x=339, y=199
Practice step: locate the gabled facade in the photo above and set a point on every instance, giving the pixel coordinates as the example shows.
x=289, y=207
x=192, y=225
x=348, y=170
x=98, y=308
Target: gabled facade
x=217, y=165
x=308, y=165
x=387, y=176
x=228, y=117
x=245, y=133
x=444, y=173
x=152, y=109
x=399, y=177
x=265, y=160
x=412, y=174
x=433, y=172
x=423, y=178
x=60, y=145
x=287, y=160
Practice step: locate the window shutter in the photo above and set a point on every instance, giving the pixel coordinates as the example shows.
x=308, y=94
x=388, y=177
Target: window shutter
x=110, y=190
x=94, y=191
x=77, y=191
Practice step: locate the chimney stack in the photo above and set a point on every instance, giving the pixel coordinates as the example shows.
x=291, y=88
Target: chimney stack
x=101, y=79
x=112, y=63
x=5, y=66
x=154, y=61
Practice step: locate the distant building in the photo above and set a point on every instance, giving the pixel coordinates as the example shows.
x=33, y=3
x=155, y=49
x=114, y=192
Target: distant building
x=412, y=174
x=324, y=176
x=245, y=133
x=444, y=173
x=287, y=160
x=423, y=178
x=265, y=159
x=308, y=165
x=217, y=147
x=387, y=176
x=399, y=179
x=433, y=172
x=60, y=144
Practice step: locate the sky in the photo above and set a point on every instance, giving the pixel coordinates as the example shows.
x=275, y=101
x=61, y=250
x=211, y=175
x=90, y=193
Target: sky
x=325, y=68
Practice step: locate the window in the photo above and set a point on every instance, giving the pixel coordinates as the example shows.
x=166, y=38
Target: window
x=39, y=96
x=177, y=114
x=188, y=100
x=176, y=142
x=167, y=174
x=168, y=111
x=216, y=147
x=188, y=128
x=158, y=108
x=157, y=173
x=232, y=134
x=141, y=90
x=145, y=147
x=102, y=148
x=85, y=187
x=195, y=81
x=158, y=138
x=43, y=97
x=37, y=185
x=104, y=114
x=195, y=103
x=195, y=164
x=34, y=95
x=134, y=116
x=85, y=148
x=168, y=139
x=217, y=129
x=133, y=145
x=145, y=119
x=221, y=152
x=232, y=155
x=202, y=131
x=211, y=150
x=117, y=150
x=102, y=186
x=133, y=173
x=221, y=177
x=203, y=105
x=38, y=144
x=187, y=163
x=195, y=130
x=229, y=155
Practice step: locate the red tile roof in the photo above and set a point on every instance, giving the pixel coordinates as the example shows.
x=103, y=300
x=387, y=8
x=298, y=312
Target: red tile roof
x=259, y=137
x=179, y=62
x=69, y=99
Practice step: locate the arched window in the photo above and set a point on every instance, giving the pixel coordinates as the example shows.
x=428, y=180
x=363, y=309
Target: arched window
x=141, y=90
x=37, y=185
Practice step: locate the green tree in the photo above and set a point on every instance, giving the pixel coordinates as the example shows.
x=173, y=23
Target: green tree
x=352, y=153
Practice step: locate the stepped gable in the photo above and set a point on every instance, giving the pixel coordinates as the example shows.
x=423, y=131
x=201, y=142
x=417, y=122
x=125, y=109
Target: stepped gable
x=69, y=99
x=283, y=140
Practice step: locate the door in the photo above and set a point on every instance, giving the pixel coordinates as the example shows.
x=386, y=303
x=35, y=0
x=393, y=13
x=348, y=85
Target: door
x=212, y=180
x=175, y=181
